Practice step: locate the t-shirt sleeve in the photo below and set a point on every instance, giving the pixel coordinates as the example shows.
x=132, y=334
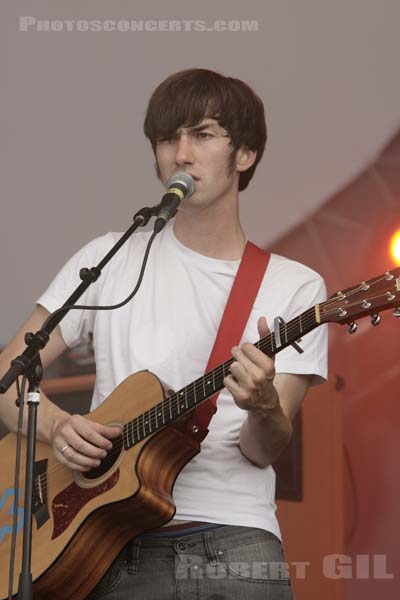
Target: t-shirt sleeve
x=77, y=324
x=313, y=360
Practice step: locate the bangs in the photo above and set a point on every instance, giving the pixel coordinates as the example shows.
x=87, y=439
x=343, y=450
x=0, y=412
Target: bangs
x=184, y=102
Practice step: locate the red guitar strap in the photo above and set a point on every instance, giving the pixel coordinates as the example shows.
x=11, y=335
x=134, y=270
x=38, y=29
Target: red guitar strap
x=236, y=314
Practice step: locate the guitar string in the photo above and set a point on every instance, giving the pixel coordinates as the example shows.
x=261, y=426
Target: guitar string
x=353, y=304
x=361, y=287
x=261, y=344
x=189, y=393
x=150, y=419
x=172, y=401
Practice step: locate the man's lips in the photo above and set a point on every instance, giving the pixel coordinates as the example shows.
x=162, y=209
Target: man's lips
x=194, y=177
x=191, y=175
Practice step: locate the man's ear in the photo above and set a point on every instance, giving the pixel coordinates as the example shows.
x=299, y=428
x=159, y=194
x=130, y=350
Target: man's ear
x=245, y=158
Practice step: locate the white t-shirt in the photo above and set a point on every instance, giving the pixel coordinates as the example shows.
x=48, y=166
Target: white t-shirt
x=169, y=328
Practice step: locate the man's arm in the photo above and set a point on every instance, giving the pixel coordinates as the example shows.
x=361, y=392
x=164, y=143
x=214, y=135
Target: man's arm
x=264, y=436
x=271, y=401
x=48, y=413
x=87, y=441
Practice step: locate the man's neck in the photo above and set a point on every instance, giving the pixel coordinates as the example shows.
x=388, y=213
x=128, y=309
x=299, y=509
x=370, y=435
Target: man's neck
x=218, y=238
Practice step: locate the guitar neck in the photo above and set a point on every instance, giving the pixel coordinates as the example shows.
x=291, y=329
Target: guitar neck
x=186, y=399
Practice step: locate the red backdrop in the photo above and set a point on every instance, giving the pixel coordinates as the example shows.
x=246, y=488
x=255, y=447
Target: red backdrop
x=346, y=240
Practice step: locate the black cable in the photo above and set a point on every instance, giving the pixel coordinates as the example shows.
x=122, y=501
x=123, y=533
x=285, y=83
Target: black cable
x=112, y=306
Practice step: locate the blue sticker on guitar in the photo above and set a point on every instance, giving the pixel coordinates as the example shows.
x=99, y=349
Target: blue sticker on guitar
x=8, y=528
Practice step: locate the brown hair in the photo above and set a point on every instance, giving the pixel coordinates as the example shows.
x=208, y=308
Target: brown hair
x=185, y=98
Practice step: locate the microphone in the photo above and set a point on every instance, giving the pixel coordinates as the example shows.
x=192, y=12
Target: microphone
x=179, y=186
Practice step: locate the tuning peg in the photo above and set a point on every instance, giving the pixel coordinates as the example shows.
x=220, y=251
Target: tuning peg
x=396, y=312
x=352, y=327
x=375, y=320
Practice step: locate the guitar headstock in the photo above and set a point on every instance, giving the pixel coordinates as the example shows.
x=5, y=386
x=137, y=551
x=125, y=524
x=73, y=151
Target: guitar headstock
x=367, y=298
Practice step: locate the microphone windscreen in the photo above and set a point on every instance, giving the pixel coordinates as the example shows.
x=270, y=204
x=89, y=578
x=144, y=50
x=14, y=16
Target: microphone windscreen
x=184, y=180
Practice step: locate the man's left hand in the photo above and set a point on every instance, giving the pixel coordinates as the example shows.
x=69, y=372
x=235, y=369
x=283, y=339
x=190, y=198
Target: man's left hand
x=252, y=375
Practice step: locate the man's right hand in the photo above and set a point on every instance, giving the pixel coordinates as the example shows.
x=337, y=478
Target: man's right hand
x=77, y=442
x=80, y=444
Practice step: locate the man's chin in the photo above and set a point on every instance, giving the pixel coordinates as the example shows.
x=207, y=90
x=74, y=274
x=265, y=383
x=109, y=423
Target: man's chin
x=197, y=203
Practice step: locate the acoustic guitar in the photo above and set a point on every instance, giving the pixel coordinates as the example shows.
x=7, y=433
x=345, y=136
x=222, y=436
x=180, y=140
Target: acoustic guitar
x=81, y=521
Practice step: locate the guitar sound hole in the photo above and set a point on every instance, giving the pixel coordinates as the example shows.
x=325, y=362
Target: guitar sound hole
x=107, y=462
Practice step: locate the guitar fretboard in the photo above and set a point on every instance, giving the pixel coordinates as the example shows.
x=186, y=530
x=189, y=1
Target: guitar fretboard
x=186, y=399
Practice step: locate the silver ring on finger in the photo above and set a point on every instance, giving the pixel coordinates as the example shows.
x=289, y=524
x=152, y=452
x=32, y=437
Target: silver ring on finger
x=63, y=449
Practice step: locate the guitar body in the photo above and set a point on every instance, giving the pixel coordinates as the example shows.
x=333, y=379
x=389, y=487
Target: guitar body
x=82, y=520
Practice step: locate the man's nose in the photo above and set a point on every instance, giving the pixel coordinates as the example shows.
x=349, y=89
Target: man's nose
x=184, y=150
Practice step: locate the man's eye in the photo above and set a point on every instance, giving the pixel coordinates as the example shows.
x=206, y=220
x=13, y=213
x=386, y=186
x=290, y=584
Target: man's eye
x=171, y=139
x=203, y=135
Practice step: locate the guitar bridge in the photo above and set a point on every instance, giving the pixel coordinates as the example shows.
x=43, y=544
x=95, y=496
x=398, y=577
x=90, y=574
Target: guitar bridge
x=39, y=505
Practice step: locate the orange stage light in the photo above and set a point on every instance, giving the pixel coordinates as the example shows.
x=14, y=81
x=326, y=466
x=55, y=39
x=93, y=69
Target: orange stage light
x=395, y=247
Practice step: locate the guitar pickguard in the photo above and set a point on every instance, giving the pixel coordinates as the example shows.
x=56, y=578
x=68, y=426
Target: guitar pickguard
x=69, y=502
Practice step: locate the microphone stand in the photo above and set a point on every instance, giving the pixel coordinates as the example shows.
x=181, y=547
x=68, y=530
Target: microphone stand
x=34, y=375
x=29, y=363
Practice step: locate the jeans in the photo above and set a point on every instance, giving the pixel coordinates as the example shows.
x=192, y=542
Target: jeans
x=235, y=563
